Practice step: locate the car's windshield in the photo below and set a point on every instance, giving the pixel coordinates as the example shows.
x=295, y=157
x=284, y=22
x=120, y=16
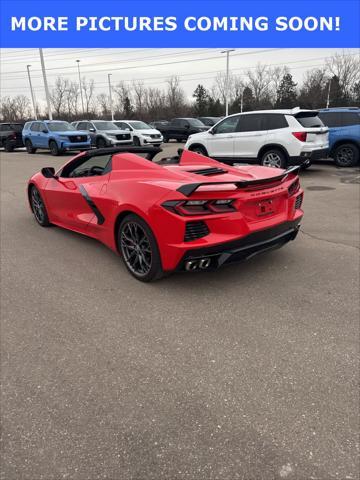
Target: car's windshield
x=195, y=122
x=140, y=125
x=59, y=127
x=105, y=126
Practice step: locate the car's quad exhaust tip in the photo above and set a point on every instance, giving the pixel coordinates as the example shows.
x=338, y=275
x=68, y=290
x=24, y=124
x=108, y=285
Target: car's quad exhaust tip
x=198, y=264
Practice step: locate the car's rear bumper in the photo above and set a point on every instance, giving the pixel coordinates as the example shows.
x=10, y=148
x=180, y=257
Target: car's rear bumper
x=241, y=249
x=309, y=156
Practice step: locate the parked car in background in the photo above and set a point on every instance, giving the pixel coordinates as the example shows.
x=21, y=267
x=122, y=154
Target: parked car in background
x=142, y=133
x=209, y=121
x=104, y=133
x=54, y=135
x=10, y=136
x=180, y=128
x=344, y=134
x=159, y=123
x=273, y=138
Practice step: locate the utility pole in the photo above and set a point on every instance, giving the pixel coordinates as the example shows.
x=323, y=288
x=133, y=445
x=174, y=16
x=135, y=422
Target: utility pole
x=328, y=95
x=32, y=92
x=80, y=86
x=110, y=98
x=45, y=83
x=241, y=100
x=227, y=86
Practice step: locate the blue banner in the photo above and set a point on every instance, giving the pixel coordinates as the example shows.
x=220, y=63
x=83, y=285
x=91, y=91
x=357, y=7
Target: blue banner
x=145, y=24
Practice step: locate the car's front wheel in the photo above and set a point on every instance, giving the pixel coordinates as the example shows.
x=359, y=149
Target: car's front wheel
x=38, y=207
x=29, y=146
x=8, y=147
x=200, y=150
x=54, y=148
x=346, y=155
x=273, y=158
x=139, y=250
x=101, y=143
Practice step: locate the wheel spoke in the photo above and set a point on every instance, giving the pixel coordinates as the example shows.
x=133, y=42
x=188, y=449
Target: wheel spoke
x=136, y=248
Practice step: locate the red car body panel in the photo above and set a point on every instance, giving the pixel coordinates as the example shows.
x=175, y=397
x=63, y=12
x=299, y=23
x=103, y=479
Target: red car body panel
x=137, y=185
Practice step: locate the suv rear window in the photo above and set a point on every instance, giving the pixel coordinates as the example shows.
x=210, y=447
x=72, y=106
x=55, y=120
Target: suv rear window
x=340, y=119
x=309, y=120
x=17, y=127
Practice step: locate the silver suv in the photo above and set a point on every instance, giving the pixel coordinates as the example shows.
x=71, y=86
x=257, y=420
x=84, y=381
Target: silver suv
x=104, y=133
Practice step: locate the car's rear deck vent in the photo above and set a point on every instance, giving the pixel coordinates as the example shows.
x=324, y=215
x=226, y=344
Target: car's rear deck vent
x=195, y=230
x=298, y=201
x=208, y=171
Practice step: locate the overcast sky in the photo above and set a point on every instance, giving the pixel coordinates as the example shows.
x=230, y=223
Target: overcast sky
x=152, y=66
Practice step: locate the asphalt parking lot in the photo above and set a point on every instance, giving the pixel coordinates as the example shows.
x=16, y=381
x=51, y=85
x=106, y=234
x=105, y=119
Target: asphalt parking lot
x=249, y=372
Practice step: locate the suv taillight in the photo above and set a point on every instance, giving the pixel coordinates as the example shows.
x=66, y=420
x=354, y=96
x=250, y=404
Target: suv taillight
x=300, y=136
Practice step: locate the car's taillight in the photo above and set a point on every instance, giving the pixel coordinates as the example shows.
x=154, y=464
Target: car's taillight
x=199, y=207
x=300, y=136
x=294, y=187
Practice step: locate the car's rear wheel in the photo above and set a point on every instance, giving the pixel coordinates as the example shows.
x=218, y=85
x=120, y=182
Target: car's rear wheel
x=8, y=147
x=29, y=147
x=139, y=249
x=346, y=155
x=38, y=207
x=200, y=150
x=54, y=148
x=101, y=143
x=273, y=158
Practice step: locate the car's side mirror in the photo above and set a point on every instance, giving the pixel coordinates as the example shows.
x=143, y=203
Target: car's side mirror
x=48, y=172
x=92, y=130
x=212, y=131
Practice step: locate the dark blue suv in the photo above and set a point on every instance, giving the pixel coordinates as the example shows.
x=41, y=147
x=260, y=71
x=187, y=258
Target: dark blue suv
x=344, y=134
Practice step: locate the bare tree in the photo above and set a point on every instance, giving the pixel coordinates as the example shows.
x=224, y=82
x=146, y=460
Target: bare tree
x=139, y=97
x=15, y=109
x=346, y=68
x=175, y=96
x=123, y=96
x=58, y=95
x=88, y=88
x=260, y=81
x=103, y=102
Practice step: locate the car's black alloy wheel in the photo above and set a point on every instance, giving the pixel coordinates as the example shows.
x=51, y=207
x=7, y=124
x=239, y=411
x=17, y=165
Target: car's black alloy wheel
x=101, y=143
x=54, y=149
x=38, y=207
x=29, y=147
x=346, y=155
x=139, y=249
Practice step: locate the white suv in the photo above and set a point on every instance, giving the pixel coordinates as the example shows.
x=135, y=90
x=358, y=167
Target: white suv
x=143, y=134
x=273, y=138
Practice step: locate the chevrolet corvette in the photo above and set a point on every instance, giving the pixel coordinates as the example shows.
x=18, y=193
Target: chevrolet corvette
x=188, y=214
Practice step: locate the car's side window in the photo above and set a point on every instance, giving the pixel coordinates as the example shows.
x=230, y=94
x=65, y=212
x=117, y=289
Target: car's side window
x=4, y=128
x=249, y=123
x=43, y=128
x=88, y=167
x=82, y=126
x=35, y=127
x=227, y=126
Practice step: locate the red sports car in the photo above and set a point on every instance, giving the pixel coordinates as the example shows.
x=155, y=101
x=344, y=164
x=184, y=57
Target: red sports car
x=191, y=214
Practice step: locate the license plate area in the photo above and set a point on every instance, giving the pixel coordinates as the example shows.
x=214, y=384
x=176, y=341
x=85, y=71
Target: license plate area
x=265, y=208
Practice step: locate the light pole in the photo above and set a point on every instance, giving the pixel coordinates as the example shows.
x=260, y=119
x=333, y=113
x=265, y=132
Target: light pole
x=328, y=95
x=45, y=83
x=80, y=86
x=227, y=86
x=110, y=98
x=32, y=92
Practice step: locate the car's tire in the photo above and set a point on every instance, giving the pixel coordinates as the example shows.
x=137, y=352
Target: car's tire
x=305, y=166
x=138, y=247
x=38, y=207
x=101, y=143
x=166, y=139
x=346, y=155
x=273, y=158
x=54, y=148
x=29, y=147
x=8, y=147
x=136, y=142
x=200, y=150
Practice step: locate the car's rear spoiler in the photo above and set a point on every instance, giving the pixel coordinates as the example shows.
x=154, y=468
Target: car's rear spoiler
x=190, y=188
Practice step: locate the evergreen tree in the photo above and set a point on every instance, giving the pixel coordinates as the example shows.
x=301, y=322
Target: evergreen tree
x=337, y=97
x=128, y=108
x=286, y=93
x=248, y=99
x=201, y=100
